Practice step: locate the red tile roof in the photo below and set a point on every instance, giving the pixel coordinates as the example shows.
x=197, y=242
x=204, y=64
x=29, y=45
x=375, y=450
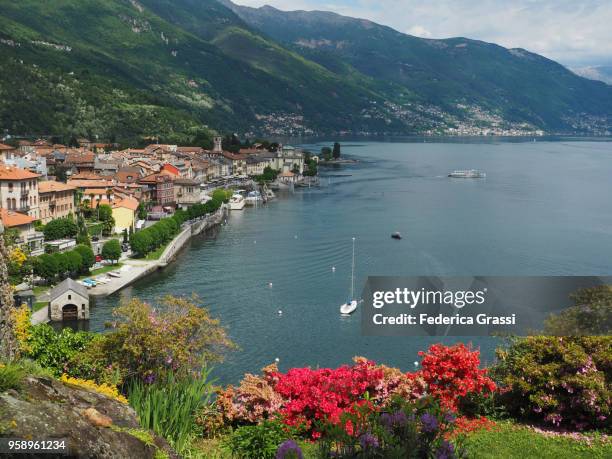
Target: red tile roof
x=15, y=173
x=129, y=203
x=48, y=186
x=10, y=218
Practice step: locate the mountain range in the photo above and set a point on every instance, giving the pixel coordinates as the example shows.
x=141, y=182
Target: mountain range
x=174, y=70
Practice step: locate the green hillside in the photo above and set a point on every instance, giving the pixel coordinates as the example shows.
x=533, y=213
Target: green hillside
x=521, y=85
x=116, y=67
x=130, y=70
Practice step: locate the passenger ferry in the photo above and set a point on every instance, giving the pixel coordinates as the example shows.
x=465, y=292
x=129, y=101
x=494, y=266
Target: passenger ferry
x=471, y=173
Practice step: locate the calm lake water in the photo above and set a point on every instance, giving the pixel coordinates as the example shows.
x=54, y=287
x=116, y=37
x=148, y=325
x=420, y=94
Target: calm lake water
x=545, y=208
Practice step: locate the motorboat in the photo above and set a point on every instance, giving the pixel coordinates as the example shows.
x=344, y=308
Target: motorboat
x=237, y=202
x=89, y=282
x=468, y=173
x=253, y=198
x=396, y=235
x=114, y=274
x=270, y=194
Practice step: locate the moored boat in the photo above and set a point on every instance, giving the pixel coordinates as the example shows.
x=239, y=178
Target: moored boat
x=253, y=198
x=237, y=202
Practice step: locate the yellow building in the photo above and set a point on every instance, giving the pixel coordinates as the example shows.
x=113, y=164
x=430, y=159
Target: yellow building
x=124, y=213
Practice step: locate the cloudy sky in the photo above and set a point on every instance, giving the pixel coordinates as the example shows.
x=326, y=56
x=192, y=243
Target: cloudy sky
x=573, y=32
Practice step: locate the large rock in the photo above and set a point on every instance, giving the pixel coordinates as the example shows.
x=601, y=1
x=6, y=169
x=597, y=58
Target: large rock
x=95, y=426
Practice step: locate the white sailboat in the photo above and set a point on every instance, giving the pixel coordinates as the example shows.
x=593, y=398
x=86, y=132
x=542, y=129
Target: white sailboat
x=350, y=306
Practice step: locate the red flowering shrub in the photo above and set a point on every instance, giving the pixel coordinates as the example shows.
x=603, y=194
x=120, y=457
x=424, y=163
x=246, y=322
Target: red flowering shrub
x=304, y=396
x=451, y=372
x=325, y=393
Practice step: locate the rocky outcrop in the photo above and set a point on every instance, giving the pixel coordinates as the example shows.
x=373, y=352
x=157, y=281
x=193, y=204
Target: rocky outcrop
x=8, y=342
x=94, y=425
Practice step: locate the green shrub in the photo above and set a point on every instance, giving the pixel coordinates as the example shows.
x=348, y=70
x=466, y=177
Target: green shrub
x=259, y=441
x=563, y=381
x=591, y=314
x=168, y=405
x=53, y=350
x=11, y=375
x=147, y=341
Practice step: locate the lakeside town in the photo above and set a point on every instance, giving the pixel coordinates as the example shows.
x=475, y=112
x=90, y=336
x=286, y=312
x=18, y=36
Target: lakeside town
x=122, y=213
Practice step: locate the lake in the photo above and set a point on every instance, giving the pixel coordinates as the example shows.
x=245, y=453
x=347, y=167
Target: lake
x=545, y=208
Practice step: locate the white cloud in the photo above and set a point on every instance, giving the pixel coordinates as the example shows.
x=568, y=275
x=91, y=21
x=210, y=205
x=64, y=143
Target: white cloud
x=569, y=31
x=419, y=31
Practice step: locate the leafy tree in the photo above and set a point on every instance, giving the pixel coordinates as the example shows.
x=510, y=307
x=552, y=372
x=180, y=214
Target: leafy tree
x=336, y=151
x=87, y=256
x=46, y=266
x=105, y=215
x=222, y=195
x=111, y=250
x=157, y=237
x=63, y=265
x=60, y=228
x=83, y=239
x=312, y=168
x=231, y=143
x=74, y=261
x=142, y=211
x=141, y=243
x=326, y=152
x=60, y=174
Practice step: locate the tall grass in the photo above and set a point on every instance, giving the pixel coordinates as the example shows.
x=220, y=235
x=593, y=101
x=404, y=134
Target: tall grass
x=168, y=405
x=11, y=376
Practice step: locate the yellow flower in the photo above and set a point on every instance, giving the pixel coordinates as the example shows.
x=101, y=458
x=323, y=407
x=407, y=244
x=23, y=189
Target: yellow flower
x=23, y=327
x=104, y=389
x=17, y=256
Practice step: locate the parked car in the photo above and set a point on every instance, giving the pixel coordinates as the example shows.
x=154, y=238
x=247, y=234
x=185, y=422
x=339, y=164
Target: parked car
x=98, y=258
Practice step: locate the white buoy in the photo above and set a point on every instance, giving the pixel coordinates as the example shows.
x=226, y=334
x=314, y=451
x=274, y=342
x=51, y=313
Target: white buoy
x=333, y=269
x=277, y=360
x=416, y=364
x=280, y=312
x=270, y=284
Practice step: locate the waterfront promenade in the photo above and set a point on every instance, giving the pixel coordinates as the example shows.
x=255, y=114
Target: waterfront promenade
x=134, y=269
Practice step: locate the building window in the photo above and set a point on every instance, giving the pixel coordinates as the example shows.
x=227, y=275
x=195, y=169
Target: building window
x=10, y=187
x=69, y=297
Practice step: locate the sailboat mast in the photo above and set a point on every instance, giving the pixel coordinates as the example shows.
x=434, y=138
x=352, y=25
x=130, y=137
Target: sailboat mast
x=353, y=273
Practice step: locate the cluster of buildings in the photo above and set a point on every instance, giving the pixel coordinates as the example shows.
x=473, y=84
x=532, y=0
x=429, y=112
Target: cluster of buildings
x=40, y=181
